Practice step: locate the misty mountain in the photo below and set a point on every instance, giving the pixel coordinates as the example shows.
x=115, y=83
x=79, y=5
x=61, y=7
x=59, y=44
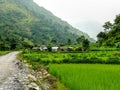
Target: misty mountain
x=23, y=23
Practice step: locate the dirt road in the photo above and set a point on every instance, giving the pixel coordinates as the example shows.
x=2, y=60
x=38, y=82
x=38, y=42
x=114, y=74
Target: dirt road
x=14, y=74
x=6, y=66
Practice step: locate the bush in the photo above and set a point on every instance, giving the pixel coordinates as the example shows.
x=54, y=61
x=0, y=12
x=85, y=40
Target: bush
x=73, y=57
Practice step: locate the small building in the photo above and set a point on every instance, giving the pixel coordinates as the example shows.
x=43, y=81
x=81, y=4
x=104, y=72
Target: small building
x=55, y=49
x=35, y=48
x=43, y=48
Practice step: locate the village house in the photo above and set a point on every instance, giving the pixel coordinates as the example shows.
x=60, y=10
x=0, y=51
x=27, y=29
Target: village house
x=43, y=48
x=55, y=49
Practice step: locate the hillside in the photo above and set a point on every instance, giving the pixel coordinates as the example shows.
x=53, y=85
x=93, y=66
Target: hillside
x=23, y=23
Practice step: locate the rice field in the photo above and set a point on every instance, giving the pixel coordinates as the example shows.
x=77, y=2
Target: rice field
x=87, y=76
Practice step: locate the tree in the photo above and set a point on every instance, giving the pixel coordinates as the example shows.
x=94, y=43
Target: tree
x=107, y=26
x=117, y=19
x=101, y=35
x=84, y=42
x=53, y=41
x=69, y=41
x=49, y=47
x=27, y=43
x=80, y=39
x=85, y=45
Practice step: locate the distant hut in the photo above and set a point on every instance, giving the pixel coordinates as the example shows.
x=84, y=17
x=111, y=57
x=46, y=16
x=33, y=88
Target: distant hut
x=35, y=48
x=43, y=48
x=55, y=49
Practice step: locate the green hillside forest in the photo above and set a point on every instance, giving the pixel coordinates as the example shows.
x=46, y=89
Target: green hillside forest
x=23, y=24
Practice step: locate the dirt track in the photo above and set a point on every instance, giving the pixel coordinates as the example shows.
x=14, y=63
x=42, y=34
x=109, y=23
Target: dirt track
x=14, y=74
x=6, y=66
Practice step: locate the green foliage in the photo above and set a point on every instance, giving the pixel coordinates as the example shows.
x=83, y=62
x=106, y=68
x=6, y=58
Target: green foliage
x=111, y=36
x=107, y=26
x=69, y=41
x=85, y=44
x=4, y=52
x=107, y=56
x=87, y=76
x=80, y=39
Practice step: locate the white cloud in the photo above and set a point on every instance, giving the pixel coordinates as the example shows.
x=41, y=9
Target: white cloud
x=74, y=11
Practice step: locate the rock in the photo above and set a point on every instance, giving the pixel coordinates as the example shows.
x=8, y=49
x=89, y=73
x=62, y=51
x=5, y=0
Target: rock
x=33, y=86
x=31, y=77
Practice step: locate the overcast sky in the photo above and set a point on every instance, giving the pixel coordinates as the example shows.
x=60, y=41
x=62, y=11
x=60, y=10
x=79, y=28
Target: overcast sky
x=81, y=12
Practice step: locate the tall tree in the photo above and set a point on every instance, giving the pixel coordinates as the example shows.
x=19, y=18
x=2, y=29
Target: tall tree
x=85, y=45
x=80, y=39
x=54, y=41
x=69, y=41
x=107, y=26
x=101, y=37
x=117, y=19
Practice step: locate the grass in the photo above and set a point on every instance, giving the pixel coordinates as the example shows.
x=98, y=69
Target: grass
x=60, y=86
x=3, y=52
x=87, y=76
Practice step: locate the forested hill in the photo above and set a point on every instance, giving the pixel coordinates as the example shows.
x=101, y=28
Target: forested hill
x=23, y=23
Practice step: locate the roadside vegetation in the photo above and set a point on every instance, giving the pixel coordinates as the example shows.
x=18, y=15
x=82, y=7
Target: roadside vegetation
x=3, y=52
x=105, y=57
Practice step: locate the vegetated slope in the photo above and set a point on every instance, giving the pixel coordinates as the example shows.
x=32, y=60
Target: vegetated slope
x=22, y=23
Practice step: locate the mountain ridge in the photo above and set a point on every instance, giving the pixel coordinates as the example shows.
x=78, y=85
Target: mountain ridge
x=26, y=23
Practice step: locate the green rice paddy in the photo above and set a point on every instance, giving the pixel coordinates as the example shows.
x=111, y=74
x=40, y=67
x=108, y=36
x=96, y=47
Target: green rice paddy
x=87, y=76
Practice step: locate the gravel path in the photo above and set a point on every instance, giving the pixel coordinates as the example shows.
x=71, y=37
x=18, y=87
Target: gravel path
x=14, y=74
x=6, y=66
